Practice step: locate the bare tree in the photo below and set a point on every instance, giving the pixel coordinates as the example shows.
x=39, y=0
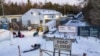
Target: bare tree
x=83, y=3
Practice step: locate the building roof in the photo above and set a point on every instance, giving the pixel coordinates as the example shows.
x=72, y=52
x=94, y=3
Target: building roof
x=11, y=16
x=75, y=23
x=46, y=11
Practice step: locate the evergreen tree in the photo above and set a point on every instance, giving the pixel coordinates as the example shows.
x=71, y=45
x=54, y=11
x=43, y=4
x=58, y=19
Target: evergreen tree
x=14, y=8
x=1, y=6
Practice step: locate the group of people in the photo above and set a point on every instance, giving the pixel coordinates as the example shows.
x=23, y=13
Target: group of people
x=19, y=34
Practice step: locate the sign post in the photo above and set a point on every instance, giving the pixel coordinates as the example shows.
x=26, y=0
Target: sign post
x=59, y=53
x=62, y=44
x=70, y=53
x=11, y=36
x=54, y=49
x=54, y=52
x=19, y=50
x=68, y=30
x=86, y=31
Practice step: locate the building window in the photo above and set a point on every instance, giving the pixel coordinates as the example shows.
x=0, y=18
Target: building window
x=34, y=14
x=29, y=23
x=31, y=12
x=47, y=20
x=52, y=16
x=57, y=16
x=14, y=20
x=45, y=16
x=41, y=21
x=39, y=13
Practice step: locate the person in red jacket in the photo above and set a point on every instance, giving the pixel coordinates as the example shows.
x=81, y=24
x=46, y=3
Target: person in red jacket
x=20, y=35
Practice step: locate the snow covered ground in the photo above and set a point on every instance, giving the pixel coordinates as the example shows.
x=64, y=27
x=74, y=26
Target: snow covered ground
x=91, y=46
x=5, y=35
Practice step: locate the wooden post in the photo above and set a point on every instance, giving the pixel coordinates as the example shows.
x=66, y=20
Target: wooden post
x=87, y=37
x=54, y=48
x=79, y=37
x=59, y=53
x=41, y=52
x=70, y=53
x=11, y=36
x=84, y=54
x=54, y=52
x=19, y=50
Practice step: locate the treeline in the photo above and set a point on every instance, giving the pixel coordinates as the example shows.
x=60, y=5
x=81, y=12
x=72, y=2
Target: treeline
x=15, y=8
x=91, y=12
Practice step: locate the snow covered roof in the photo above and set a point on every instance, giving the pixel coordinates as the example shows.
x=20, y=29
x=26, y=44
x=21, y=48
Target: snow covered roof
x=46, y=11
x=50, y=23
x=75, y=23
x=11, y=16
x=80, y=14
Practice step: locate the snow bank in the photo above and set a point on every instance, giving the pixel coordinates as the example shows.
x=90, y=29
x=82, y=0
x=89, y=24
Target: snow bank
x=90, y=46
x=5, y=35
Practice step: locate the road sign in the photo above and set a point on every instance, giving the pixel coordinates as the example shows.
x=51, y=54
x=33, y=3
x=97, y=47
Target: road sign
x=93, y=31
x=70, y=29
x=62, y=44
x=83, y=31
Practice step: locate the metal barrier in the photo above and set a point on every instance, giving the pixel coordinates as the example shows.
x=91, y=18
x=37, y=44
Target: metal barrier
x=46, y=51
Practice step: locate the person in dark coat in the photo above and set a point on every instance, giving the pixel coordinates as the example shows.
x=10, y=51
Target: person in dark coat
x=36, y=46
x=36, y=33
x=14, y=33
x=19, y=33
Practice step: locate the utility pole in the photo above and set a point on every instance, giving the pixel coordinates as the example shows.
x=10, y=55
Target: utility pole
x=64, y=9
x=2, y=5
x=45, y=17
x=45, y=1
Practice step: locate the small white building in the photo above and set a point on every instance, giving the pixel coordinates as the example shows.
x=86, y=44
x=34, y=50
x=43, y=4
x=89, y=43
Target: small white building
x=36, y=17
x=11, y=18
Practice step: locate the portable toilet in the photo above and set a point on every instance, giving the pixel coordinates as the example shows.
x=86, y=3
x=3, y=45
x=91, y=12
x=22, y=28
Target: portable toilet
x=5, y=26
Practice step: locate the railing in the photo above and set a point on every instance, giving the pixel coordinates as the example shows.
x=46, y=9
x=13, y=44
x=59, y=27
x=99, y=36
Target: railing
x=48, y=52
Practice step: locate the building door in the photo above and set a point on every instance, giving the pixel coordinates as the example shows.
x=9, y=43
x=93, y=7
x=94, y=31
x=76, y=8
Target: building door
x=29, y=23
